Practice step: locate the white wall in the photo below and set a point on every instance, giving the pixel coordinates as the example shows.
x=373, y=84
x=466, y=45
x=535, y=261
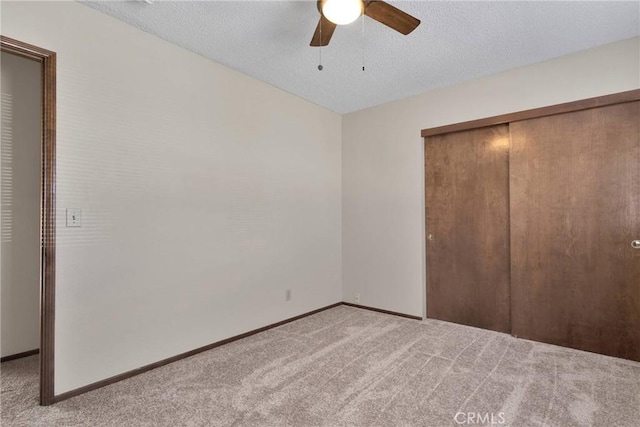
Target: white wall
x=20, y=252
x=204, y=195
x=383, y=162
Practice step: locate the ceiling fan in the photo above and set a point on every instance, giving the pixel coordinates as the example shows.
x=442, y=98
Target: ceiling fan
x=342, y=12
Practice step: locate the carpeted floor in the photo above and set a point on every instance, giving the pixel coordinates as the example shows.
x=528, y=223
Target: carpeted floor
x=350, y=367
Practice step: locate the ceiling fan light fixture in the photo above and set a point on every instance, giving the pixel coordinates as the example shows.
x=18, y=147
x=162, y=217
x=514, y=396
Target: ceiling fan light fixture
x=342, y=12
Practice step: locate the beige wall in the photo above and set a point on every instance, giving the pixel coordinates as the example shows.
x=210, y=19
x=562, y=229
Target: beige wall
x=20, y=199
x=204, y=195
x=383, y=164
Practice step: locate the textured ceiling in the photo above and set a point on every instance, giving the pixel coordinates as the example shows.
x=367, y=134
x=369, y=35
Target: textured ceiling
x=457, y=41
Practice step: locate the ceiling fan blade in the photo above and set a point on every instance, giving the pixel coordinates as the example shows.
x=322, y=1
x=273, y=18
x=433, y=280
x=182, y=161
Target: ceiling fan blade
x=327, y=31
x=391, y=16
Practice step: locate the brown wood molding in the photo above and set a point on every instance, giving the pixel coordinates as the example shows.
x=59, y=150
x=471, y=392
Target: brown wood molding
x=48, y=245
x=24, y=49
x=379, y=310
x=19, y=355
x=584, y=104
x=146, y=368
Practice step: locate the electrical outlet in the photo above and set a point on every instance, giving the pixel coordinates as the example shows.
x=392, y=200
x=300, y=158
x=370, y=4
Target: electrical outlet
x=287, y=295
x=356, y=298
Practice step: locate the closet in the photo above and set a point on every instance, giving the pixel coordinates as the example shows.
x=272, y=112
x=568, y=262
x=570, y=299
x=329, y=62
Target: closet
x=533, y=224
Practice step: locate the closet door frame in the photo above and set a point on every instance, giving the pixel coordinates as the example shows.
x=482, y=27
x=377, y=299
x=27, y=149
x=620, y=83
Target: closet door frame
x=584, y=104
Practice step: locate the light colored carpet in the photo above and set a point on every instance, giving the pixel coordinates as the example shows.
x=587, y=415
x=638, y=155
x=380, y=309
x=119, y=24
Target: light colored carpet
x=351, y=367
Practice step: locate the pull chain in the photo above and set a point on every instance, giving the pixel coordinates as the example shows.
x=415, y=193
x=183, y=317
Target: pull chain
x=320, y=48
x=363, y=42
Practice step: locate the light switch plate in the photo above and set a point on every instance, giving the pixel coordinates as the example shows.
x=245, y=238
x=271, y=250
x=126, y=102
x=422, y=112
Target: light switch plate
x=74, y=217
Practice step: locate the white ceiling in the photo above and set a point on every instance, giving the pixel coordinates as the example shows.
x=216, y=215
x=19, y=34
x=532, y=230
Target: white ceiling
x=457, y=41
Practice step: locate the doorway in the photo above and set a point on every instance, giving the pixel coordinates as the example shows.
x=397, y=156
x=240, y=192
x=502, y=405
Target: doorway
x=42, y=182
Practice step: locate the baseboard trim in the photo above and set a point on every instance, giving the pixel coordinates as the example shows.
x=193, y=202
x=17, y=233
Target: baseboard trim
x=146, y=368
x=379, y=310
x=19, y=355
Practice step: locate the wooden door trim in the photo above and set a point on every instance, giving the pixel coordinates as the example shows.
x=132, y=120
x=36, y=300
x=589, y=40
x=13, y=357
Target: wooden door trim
x=48, y=208
x=567, y=107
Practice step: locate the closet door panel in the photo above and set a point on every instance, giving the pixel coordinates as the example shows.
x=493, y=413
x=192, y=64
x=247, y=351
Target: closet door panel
x=575, y=209
x=467, y=214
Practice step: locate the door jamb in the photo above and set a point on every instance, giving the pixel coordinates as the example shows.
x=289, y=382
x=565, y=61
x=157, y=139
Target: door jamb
x=47, y=209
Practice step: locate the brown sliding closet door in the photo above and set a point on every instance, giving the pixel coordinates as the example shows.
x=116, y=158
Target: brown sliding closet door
x=467, y=189
x=575, y=209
